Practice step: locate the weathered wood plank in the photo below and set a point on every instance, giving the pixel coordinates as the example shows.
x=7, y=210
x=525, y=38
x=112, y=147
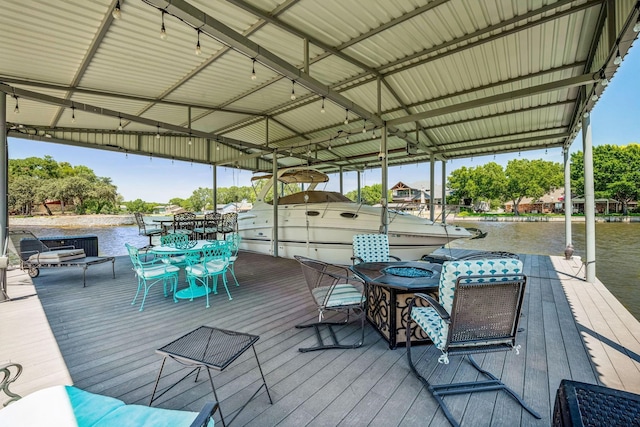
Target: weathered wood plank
x=109, y=347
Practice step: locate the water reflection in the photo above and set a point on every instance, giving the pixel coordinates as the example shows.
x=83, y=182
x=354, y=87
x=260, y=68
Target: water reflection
x=617, y=244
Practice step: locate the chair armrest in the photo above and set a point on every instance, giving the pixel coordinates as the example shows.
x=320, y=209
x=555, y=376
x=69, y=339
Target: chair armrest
x=395, y=257
x=356, y=258
x=205, y=414
x=433, y=303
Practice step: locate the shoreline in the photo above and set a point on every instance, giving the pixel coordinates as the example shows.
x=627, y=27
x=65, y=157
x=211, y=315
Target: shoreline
x=80, y=221
x=73, y=221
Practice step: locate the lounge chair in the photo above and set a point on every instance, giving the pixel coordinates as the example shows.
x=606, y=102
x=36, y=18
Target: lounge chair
x=34, y=254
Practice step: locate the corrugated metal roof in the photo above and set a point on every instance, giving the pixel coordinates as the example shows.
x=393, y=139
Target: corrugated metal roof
x=457, y=78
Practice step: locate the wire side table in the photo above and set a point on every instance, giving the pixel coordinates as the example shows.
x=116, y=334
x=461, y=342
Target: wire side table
x=210, y=348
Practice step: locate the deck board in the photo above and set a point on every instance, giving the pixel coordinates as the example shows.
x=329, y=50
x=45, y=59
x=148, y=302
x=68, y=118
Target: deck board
x=93, y=337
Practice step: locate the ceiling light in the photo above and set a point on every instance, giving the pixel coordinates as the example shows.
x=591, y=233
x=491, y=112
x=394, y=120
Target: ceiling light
x=586, y=114
x=618, y=59
x=594, y=97
x=73, y=114
x=347, y=140
x=636, y=28
x=293, y=90
x=322, y=108
x=120, y=123
x=253, y=70
x=116, y=11
x=198, y=50
x=604, y=81
x=189, y=141
x=158, y=133
x=163, y=31
x=17, y=108
x=346, y=117
x=364, y=126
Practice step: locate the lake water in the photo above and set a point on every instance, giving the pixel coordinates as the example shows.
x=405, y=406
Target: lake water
x=617, y=247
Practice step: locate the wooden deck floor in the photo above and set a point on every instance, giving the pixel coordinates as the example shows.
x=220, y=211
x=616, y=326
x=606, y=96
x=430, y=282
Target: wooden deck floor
x=94, y=338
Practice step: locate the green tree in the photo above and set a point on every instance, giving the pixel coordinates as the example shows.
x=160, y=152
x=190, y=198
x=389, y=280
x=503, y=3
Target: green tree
x=200, y=199
x=103, y=195
x=369, y=194
x=22, y=191
x=139, y=205
x=482, y=182
x=36, y=167
x=616, y=173
x=531, y=178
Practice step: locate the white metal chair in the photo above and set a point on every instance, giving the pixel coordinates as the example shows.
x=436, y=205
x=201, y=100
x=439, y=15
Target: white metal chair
x=480, y=303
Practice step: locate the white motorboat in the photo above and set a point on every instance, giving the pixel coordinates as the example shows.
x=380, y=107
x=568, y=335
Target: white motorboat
x=321, y=224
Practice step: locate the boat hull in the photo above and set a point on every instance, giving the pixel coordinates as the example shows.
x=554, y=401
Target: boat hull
x=325, y=231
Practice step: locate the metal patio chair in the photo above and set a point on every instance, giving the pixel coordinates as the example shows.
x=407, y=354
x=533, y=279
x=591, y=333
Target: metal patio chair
x=371, y=248
x=228, y=224
x=480, y=303
x=211, y=262
x=184, y=223
x=147, y=230
x=149, y=271
x=332, y=289
x=209, y=227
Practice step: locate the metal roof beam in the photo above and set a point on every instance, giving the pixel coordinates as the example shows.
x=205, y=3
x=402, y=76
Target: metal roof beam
x=216, y=29
x=521, y=93
x=128, y=97
x=501, y=144
x=337, y=52
x=52, y=100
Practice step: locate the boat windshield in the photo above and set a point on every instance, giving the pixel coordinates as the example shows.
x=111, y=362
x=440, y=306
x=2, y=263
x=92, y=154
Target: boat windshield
x=312, y=197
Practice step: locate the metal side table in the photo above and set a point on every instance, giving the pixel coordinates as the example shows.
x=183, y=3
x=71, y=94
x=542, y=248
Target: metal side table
x=210, y=348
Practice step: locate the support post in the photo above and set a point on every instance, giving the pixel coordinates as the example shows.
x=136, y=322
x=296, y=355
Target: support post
x=4, y=196
x=589, y=201
x=275, y=204
x=444, y=192
x=432, y=188
x=568, y=203
x=341, y=181
x=214, y=176
x=359, y=199
x=384, y=220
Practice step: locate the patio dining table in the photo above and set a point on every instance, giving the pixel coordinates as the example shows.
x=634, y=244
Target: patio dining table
x=193, y=246
x=390, y=288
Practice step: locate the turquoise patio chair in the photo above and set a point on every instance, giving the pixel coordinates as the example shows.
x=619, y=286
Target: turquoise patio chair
x=151, y=271
x=478, y=309
x=175, y=240
x=234, y=244
x=371, y=248
x=211, y=262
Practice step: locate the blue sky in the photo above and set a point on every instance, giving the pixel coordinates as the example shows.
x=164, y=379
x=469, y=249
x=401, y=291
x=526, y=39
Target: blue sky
x=615, y=120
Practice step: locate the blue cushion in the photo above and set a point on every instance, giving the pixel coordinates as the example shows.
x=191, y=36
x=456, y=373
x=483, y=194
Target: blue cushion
x=138, y=415
x=70, y=406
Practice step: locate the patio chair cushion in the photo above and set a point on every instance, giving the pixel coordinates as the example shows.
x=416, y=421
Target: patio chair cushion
x=427, y=318
x=212, y=266
x=71, y=406
x=57, y=256
x=157, y=271
x=342, y=295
